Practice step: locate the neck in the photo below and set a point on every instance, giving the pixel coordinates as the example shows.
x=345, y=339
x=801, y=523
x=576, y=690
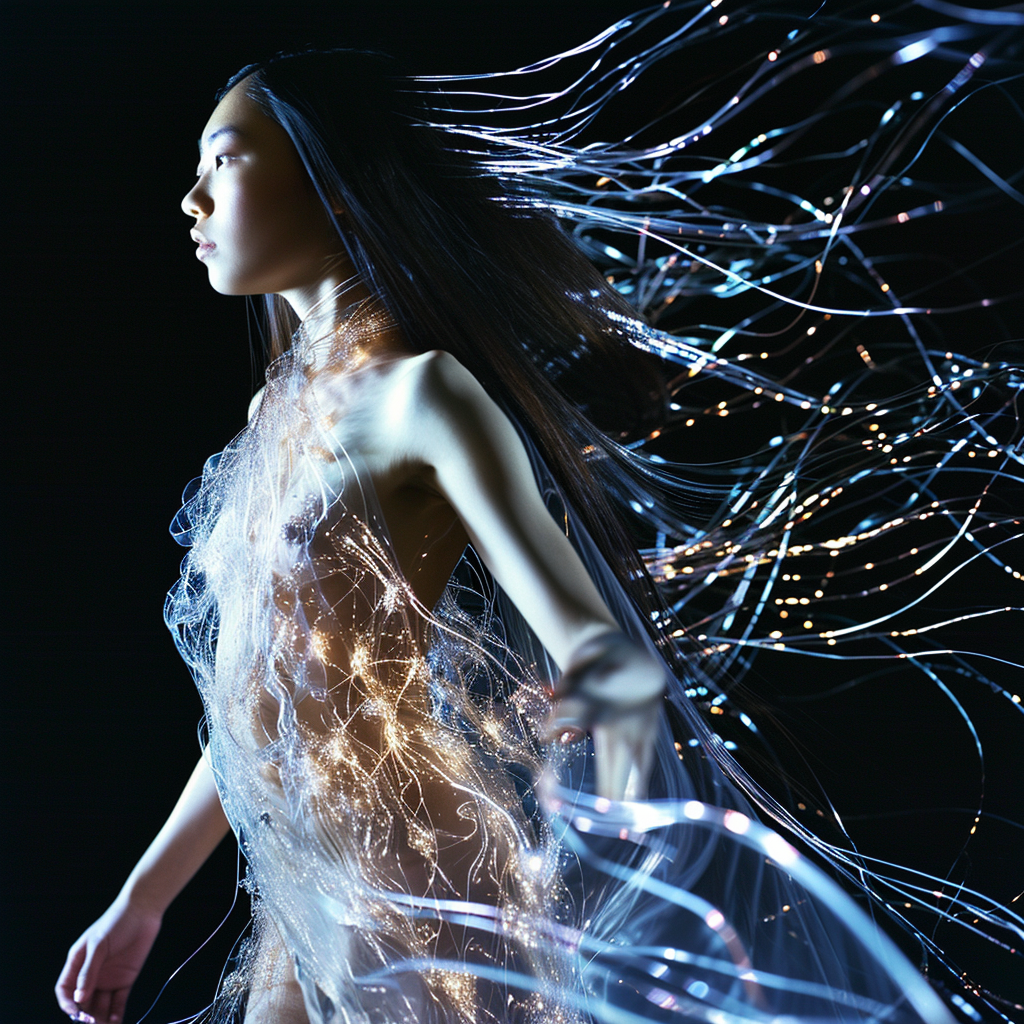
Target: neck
x=321, y=305
x=340, y=310
x=347, y=329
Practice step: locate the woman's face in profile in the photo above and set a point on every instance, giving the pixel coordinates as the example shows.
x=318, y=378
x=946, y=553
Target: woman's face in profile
x=259, y=222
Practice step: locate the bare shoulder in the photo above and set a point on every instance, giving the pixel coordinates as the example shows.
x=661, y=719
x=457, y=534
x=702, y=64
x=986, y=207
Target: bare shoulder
x=432, y=388
x=414, y=412
x=442, y=413
x=438, y=377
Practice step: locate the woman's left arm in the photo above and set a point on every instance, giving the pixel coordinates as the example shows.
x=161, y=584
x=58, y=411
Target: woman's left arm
x=476, y=460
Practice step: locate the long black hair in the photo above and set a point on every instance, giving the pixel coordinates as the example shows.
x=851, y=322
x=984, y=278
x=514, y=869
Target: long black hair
x=468, y=267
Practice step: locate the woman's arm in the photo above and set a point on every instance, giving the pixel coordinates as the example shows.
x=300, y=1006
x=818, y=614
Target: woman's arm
x=103, y=964
x=476, y=460
x=192, y=832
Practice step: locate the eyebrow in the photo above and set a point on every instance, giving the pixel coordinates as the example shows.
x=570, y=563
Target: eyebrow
x=228, y=129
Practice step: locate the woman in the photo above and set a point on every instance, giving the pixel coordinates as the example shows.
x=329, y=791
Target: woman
x=368, y=737
x=445, y=465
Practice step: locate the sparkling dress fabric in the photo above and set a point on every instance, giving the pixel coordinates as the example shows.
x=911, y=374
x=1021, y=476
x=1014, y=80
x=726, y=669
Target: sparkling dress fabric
x=309, y=652
x=410, y=845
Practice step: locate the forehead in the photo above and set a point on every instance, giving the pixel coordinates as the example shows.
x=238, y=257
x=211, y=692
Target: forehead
x=238, y=112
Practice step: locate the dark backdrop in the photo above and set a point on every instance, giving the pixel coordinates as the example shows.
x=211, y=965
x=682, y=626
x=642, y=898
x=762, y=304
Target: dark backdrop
x=122, y=372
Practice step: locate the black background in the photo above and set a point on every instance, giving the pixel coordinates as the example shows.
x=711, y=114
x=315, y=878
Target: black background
x=123, y=371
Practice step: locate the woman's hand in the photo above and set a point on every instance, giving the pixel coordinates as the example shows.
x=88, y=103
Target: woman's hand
x=105, y=961
x=103, y=964
x=611, y=689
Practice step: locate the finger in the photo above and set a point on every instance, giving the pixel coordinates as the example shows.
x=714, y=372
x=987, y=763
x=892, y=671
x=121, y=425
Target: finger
x=87, y=975
x=117, y=1005
x=623, y=754
x=611, y=764
x=100, y=1008
x=65, y=987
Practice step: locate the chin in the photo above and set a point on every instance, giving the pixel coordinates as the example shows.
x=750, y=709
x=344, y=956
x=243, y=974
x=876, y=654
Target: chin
x=223, y=287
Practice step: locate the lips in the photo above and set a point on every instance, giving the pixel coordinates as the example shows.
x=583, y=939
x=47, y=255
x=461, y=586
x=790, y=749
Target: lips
x=205, y=245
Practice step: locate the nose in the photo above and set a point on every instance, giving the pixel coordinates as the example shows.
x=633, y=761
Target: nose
x=196, y=202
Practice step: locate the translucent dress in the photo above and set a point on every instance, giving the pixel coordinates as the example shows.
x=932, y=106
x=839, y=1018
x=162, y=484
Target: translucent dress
x=411, y=846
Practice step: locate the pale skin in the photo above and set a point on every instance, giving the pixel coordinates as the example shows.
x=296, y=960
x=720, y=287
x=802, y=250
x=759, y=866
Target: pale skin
x=448, y=469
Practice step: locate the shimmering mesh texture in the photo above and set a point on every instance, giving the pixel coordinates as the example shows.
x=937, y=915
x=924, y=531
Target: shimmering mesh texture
x=376, y=762
x=344, y=786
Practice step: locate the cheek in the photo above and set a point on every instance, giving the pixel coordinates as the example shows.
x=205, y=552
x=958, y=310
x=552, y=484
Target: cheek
x=281, y=220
